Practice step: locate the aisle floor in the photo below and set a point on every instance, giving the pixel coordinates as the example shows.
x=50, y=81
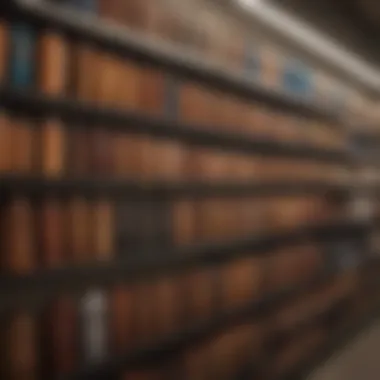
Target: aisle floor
x=359, y=360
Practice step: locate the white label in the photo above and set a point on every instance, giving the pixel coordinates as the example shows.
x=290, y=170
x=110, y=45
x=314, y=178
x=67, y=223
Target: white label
x=94, y=325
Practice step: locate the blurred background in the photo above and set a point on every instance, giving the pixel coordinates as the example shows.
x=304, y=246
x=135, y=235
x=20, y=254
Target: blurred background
x=189, y=189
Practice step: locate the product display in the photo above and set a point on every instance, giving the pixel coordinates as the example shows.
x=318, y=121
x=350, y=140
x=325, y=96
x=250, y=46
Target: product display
x=160, y=220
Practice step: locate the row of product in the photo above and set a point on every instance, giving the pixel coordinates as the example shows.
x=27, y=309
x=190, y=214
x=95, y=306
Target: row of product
x=47, y=61
x=72, y=331
x=81, y=229
x=217, y=35
x=52, y=149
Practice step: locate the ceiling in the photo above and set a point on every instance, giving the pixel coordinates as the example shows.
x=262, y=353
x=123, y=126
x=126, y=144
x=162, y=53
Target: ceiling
x=355, y=24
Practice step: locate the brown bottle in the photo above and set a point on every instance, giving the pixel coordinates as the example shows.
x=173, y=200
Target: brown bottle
x=103, y=232
x=84, y=67
x=53, y=62
x=128, y=90
x=154, y=88
x=6, y=136
x=19, y=237
x=107, y=79
x=60, y=323
x=53, y=146
x=23, y=145
x=122, y=313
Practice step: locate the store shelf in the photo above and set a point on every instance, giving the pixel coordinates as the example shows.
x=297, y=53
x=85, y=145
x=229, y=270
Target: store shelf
x=135, y=190
x=16, y=290
x=92, y=116
x=173, y=345
x=161, y=54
